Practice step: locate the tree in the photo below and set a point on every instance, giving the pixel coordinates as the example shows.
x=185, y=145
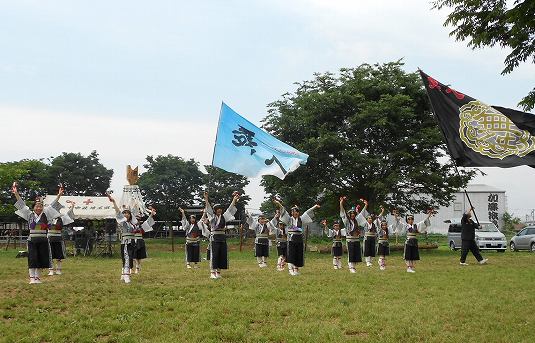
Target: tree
x=496, y=22
x=29, y=174
x=220, y=185
x=171, y=182
x=79, y=174
x=509, y=222
x=370, y=134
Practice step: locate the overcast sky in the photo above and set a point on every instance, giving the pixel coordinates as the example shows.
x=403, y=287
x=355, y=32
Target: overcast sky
x=137, y=78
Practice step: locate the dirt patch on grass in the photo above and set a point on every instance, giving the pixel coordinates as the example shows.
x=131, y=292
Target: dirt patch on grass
x=356, y=333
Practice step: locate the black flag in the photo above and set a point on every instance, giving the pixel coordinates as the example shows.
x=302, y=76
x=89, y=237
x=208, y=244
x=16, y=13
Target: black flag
x=479, y=135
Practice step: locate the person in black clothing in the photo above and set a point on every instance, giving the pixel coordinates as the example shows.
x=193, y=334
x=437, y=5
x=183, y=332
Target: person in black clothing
x=468, y=236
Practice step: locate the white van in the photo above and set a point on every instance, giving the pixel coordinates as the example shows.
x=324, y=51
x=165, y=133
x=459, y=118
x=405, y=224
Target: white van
x=488, y=237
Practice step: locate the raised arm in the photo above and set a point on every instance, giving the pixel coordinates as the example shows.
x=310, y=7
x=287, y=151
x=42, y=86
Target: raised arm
x=361, y=217
x=308, y=216
x=343, y=213
x=183, y=221
x=425, y=224
x=231, y=210
x=22, y=211
x=147, y=224
x=249, y=220
x=208, y=210
x=284, y=216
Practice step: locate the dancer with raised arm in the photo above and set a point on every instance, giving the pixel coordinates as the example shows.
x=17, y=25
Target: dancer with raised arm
x=370, y=234
x=143, y=225
x=383, y=248
x=38, y=222
x=127, y=225
x=262, y=228
x=55, y=235
x=411, y=253
x=282, y=243
x=193, y=231
x=217, y=234
x=295, y=223
x=352, y=222
x=337, y=234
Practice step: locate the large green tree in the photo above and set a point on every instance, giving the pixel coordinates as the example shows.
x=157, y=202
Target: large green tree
x=29, y=174
x=509, y=24
x=370, y=134
x=81, y=175
x=171, y=182
x=220, y=185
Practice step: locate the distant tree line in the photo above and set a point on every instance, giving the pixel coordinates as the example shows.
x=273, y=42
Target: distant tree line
x=168, y=183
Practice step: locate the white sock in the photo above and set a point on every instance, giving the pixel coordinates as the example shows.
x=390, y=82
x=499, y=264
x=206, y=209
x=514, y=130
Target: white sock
x=58, y=267
x=30, y=271
x=351, y=265
x=335, y=261
x=259, y=260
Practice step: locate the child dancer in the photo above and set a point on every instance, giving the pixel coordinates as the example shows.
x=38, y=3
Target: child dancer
x=383, y=249
x=193, y=239
x=336, y=233
x=38, y=222
x=282, y=245
x=352, y=221
x=370, y=235
x=127, y=226
x=295, y=221
x=217, y=234
x=262, y=227
x=55, y=237
x=140, y=251
x=411, y=253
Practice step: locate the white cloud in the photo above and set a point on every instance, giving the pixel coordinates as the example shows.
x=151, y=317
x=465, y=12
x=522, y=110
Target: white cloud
x=30, y=133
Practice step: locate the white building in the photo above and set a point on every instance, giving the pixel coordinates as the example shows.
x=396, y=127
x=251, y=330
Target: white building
x=490, y=204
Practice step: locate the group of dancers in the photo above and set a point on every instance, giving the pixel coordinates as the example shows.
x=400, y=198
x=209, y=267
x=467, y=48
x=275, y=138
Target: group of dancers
x=288, y=229
x=45, y=242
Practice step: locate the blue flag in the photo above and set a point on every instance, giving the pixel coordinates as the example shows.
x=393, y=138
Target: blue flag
x=245, y=149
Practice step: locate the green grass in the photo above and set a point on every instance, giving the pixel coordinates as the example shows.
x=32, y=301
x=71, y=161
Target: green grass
x=442, y=302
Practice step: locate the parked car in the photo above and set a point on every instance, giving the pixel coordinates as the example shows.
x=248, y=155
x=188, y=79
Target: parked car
x=524, y=240
x=488, y=237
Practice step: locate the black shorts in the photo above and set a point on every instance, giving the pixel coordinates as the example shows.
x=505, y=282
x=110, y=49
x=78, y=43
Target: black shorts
x=296, y=253
x=383, y=249
x=141, y=250
x=369, y=247
x=193, y=252
x=411, y=250
x=282, y=249
x=218, y=255
x=354, y=253
x=57, y=250
x=39, y=253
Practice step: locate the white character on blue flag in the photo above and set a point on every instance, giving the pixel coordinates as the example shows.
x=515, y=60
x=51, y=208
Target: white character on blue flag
x=245, y=149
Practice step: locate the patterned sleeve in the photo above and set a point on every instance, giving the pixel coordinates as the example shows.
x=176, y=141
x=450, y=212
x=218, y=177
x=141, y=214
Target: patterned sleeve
x=308, y=216
x=424, y=225
x=147, y=224
x=230, y=212
x=22, y=211
x=51, y=213
x=343, y=216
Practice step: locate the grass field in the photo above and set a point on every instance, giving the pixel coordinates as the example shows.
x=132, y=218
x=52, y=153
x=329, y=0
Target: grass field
x=441, y=302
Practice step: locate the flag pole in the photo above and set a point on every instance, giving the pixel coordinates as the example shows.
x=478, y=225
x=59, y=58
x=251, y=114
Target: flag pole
x=448, y=149
x=466, y=194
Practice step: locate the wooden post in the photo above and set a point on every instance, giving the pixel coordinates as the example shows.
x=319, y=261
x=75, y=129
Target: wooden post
x=306, y=238
x=241, y=236
x=172, y=236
